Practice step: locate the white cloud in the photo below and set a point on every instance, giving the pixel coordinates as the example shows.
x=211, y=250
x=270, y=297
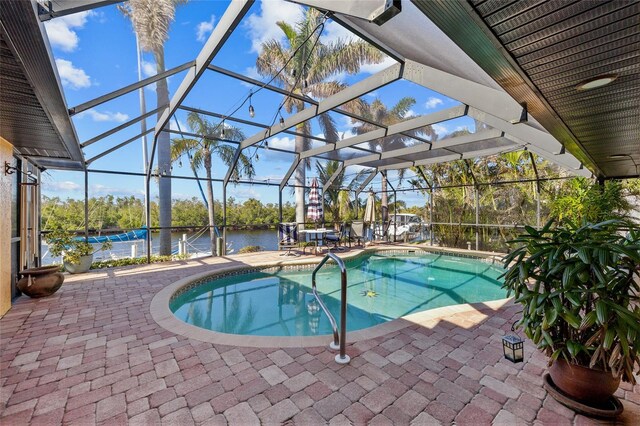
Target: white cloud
x=71, y=76
x=61, y=186
x=96, y=115
x=440, y=129
x=61, y=30
x=251, y=72
x=204, y=28
x=149, y=68
x=374, y=68
x=262, y=27
x=334, y=32
x=285, y=143
x=433, y=102
x=410, y=113
x=99, y=189
x=244, y=192
x=183, y=126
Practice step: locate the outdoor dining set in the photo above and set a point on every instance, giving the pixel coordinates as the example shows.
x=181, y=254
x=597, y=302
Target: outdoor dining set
x=291, y=237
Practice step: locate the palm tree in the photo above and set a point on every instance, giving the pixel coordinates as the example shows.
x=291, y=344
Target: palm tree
x=310, y=73
x=150, y=20
x=200, y=153
x=379, y=113
x=335, y=194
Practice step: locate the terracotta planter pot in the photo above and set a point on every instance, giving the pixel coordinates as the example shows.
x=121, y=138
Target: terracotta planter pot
x=79, y=268
x=40, y=282
x=582, y=383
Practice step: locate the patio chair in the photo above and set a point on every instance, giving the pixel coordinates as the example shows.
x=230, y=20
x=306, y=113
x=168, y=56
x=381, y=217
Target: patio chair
x=333, y=240
x=357, y=232
x=288, y=238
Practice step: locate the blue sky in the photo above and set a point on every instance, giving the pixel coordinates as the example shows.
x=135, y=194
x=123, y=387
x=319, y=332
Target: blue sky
x=96, y=53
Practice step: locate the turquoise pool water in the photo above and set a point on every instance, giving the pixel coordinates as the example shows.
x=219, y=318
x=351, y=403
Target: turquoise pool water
x=382, y=287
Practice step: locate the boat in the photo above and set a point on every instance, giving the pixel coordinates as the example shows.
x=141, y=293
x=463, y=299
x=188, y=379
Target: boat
x=137, y=234
x=403, y=225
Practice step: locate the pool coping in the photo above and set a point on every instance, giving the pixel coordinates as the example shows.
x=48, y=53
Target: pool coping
x=163, y=316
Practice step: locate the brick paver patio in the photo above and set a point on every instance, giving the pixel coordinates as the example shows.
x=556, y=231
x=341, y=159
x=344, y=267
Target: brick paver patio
x=92, y=354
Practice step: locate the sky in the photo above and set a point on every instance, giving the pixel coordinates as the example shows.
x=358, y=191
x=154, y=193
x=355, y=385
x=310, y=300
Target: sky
x=95, y=53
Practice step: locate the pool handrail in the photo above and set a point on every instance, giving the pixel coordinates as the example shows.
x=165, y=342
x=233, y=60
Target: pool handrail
x=338, y=341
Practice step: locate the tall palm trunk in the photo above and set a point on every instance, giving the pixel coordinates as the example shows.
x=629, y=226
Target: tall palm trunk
x=164, y=160
x=300, y=178
x=212, y=219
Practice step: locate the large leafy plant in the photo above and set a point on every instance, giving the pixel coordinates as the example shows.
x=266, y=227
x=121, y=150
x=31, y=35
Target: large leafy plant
x=579, y=287
x=71, y=247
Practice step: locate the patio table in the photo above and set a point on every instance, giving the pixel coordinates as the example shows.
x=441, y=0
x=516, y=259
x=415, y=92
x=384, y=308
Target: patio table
x=316, y=236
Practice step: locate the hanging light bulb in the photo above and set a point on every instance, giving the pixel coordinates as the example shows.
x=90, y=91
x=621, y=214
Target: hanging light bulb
x=305, y=83
x=266, y=145
x=252, y=111
x=257, y=157
x=281, y=120
x=222, y=132
x=180, y=163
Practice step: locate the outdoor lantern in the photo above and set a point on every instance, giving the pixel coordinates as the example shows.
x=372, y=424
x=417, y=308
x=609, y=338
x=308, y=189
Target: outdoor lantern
x=513, y=347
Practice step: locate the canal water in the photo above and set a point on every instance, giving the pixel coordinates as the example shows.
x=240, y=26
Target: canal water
x=266, y=239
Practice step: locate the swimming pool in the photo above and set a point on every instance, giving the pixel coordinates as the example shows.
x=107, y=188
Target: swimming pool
x=381, y=287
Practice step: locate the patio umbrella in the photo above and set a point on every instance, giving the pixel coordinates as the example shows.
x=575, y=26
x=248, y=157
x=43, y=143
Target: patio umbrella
x=314, y=208
x=370, y=216
x=369, y=210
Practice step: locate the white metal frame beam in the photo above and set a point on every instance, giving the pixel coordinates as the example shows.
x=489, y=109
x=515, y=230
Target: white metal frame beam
x=229, y=21
x=493, y=107
x=377, y=11
x=287, y=175
x=447, y=158
x=127, y=89
x=117, y=147
x=380, y=79
x=333, y=177
x=366, y=182
x=118, y=128
x=45, y=13
x=415, y=149
x=399, y=128
x=293, y=95
x=360, y=88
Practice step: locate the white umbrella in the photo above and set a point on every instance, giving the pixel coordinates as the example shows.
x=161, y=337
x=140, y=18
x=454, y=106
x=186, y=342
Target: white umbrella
x=370, y=210
x=314, y=211
x=370, y=216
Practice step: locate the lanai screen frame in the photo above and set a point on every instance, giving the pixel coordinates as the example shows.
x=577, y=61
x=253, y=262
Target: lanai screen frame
x=490, y=106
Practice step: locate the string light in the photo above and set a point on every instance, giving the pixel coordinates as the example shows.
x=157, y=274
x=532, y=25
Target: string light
x=222, y=130
x=252, y=112
x=281, y=119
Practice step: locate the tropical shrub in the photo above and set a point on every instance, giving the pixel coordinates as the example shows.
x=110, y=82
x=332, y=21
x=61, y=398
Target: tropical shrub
x=580, y=292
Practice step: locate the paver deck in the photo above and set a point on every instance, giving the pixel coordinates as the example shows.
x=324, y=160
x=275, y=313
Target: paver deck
x=92, y=353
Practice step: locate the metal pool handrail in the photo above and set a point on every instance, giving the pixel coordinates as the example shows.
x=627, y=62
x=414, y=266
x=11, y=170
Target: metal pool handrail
x=338, y=341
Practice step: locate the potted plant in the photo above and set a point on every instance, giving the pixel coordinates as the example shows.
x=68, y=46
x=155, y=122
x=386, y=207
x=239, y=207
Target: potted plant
x=580, y=292
x=40, y=281
x=77, y=254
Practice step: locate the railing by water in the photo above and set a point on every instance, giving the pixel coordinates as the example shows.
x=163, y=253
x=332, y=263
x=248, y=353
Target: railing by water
x=339, y=341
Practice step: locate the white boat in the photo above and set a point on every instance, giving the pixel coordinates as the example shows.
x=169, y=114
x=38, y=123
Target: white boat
x=404, y=224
